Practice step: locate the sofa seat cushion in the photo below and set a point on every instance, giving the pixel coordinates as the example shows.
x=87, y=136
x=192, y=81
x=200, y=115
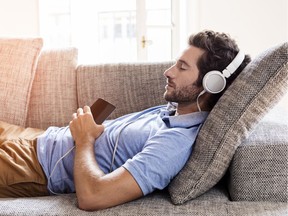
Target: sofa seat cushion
x=53, y=95
x=212, y=203
x=255, y=91
x=18, y=61
x=259, y=169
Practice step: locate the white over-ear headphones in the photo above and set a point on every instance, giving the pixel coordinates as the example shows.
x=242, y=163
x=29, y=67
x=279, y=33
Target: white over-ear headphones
x=215, y=81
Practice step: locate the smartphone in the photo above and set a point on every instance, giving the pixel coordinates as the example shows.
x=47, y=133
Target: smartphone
x=101, y=110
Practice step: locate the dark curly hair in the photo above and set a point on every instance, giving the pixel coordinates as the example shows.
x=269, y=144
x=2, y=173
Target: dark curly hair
x=220, y=49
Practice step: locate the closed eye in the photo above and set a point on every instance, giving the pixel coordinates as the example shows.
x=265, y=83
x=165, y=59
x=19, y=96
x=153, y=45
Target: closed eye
x=181, y=65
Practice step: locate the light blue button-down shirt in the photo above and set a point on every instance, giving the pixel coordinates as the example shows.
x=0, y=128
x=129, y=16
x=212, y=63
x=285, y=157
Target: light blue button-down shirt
x=153, y=145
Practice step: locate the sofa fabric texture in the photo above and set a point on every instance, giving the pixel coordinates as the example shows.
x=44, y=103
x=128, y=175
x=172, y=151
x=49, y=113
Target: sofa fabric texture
x=212, y=203
x=54, y=89
x=259, y=170
x=119, y=83
x=18, y=61
x=255, y=91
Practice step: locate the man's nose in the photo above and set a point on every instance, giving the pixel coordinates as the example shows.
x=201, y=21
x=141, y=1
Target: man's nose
x=169, y=72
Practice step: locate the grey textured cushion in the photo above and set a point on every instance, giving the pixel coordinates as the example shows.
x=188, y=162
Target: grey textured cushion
x=213, y=203
x=130, y=87
x=259, y=168
x=262, y=83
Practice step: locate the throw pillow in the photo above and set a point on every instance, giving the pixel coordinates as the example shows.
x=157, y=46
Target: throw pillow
x=18, y=60
x=256, y=90
x=53, y=95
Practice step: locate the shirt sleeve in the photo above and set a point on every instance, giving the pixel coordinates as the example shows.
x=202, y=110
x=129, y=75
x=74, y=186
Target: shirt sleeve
x=162, y=157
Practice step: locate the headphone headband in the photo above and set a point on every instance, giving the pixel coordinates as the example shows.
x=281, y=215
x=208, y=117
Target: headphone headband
x=232, y=67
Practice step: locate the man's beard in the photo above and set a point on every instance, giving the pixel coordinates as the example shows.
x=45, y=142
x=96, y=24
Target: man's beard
x=183, y=94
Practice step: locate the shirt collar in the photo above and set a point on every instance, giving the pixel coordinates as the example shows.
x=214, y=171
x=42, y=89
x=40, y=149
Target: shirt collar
x=185, y=121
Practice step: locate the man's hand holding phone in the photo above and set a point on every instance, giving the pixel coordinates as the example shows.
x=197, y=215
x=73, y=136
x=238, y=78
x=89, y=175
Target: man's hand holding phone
x=86, y=124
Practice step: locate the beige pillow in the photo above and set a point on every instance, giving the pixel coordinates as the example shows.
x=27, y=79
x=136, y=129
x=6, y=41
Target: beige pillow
x=18, y=60
x=262, y=83
x=53, y=95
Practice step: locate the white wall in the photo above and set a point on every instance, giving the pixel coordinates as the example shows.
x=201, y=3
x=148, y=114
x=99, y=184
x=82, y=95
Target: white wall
x=19, y=18
x=255, y=24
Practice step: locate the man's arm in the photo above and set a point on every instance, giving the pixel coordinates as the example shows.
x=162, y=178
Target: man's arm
x=94, y=189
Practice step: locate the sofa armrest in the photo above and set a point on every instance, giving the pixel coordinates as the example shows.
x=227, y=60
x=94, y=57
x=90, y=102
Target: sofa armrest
x=258, y=171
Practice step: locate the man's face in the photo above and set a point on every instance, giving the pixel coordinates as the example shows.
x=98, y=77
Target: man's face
x=182, y=76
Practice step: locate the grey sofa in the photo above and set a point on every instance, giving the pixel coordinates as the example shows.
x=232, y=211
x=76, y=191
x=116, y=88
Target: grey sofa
x=239, y=162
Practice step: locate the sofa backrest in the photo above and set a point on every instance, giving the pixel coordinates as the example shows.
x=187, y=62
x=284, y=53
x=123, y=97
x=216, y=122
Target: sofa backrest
x=60, y=87
x=40, y=88
x=130, y=87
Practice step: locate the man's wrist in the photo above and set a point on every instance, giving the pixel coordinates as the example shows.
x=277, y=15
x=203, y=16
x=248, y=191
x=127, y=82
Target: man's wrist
x=84, y=142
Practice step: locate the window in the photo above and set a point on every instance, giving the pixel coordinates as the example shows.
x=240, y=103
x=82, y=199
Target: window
x=110, y=30
x=55, y=22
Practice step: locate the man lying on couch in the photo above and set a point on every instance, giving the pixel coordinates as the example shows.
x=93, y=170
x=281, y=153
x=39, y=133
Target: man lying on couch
x=135, y=154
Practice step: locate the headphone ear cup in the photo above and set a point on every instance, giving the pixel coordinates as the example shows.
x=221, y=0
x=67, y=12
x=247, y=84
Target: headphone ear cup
x=214, y=82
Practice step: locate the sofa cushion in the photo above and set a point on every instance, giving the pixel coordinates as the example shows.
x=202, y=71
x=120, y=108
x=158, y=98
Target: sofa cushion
x=256, y=90
x=119, y=83
x=53, y=95
x=18, y=60
x=212, y=203
x=259, y=169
